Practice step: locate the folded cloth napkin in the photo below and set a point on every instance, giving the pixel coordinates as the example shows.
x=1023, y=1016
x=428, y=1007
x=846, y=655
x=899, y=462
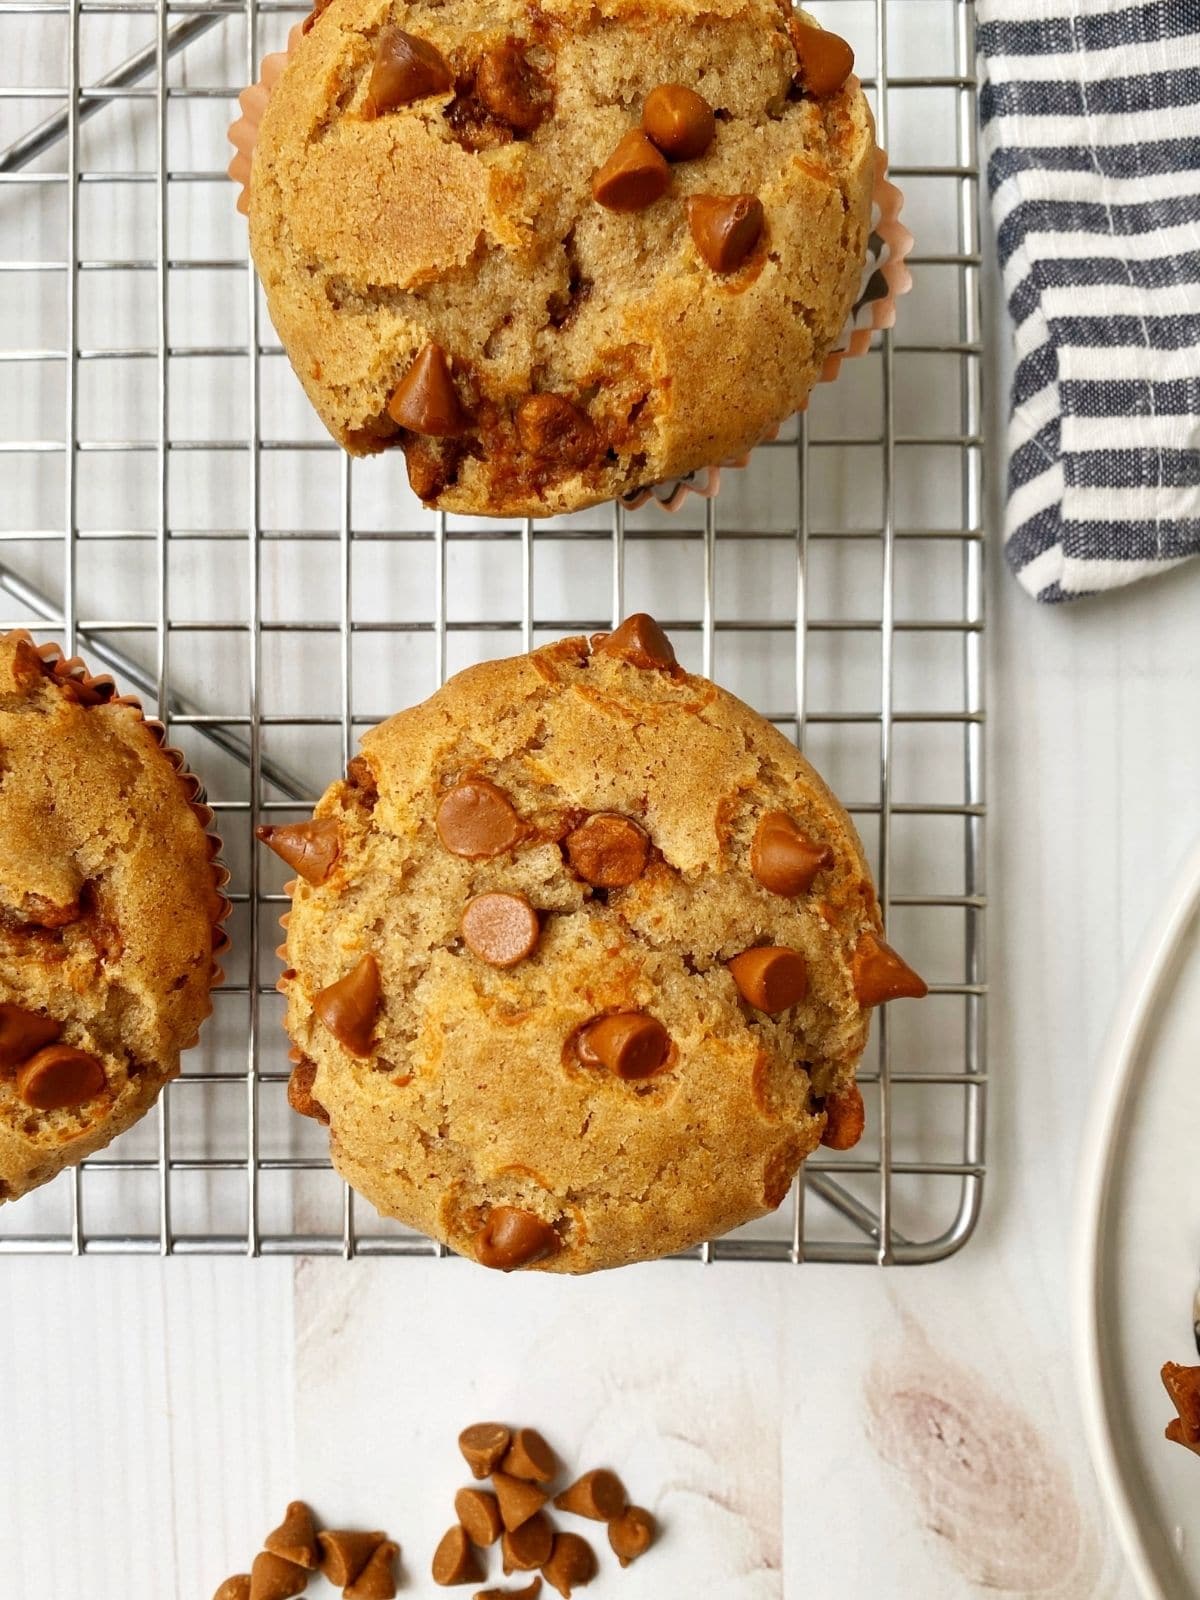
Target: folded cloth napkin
x=1091, y=129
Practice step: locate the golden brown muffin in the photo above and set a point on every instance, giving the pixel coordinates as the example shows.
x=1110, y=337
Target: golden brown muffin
x=110, y=911
x=474, y=248
x=658, y=1011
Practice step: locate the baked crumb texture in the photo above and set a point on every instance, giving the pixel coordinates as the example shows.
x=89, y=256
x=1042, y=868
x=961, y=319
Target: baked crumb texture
x=110, y=912
x=680, y=331
x=611, y=1094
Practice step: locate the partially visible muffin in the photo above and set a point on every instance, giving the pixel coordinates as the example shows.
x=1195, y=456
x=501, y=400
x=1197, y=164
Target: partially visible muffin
x=110, y=912
x=555, y=251
x=580, y=960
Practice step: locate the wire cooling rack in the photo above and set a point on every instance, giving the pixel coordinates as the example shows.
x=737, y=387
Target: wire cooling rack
x=174, y=512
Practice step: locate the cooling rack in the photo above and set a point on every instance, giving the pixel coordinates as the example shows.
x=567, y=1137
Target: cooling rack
x=173, y=511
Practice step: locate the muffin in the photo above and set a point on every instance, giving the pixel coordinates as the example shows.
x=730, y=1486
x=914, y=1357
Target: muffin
x=110, y=913
x=580, y=960
x=559, y=251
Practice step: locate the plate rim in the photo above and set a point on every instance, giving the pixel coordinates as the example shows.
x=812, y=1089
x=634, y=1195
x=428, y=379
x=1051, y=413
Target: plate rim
x=1121, y=1067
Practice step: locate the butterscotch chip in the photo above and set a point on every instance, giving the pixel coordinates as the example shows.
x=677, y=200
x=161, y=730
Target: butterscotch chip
x=512, y=1238
x=58, y=1077
x=524, y=1549
x=483, y=1445
x=640, y=641
x=406, y=68
x=598, y=1494
x=235, y=1588
x=345, y=1552
x=519, y=1500
x=725, y=227
x=552, y=428
x=476, y=819
x=311, y=848
x=608, y=851
x=300, y=1092
x=630, y=1044
x=679, y=121
x=633, y=177
x=349, y=1007
x=377, y=1580
x=824, y=59
x=479, y=1513
x=425, y=400
x=771, y=977
x=631, y=1534
x=512, y=90
x=295, y=1539
x=529, y=1457
x=22, y=1034
x=273, y=1578
x=845, y=1119
x=782, y=859
x=529, y=1592
x=501, y=929
x=572, y=1564
x=454, y=1560
x=881, y=975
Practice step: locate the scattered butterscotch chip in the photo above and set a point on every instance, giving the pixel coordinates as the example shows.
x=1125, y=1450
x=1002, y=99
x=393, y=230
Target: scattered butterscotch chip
x=454, y=1560
x=406, y=69
x=311, y=848
x=1183, y=1386
x=845, y=1119
x=725, y=227
x=512, y=1238
x=59, y=1076
x=273, y=1578
x=235, y=1588
x=630, y=1044
x=295, y=1539
x=572, y=1563
x=527, y=1547
x=349, y=1007
x=529, y=1457
x=824, y=59
x=22, y=1034
x=631, y=1534
x=880, y=975
x=477, y=820
x=479, y=1513
x=607, y=850
x=425, y=400
x=512, y=90
x=529, y=1592
x=345, y=1552
x=552, y=427
x=483, y=1445
x=377, y=1580
x=501, y=929
x=598, y=1494
x=679, y=121
x=519, y=1499
x=300, y=1092
x=782, y=859
x=639, y=640
x=633, y=177
x=770, y=977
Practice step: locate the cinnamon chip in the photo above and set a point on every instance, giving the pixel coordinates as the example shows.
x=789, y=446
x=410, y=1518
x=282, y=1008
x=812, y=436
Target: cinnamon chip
x=529, y=1592
x=640, y=641
x=479, y=1513
x=477, y=820
x=631, y=1534
x=845, y=1118
x=824, y=59
x=425, y=400
x=679, y=121
x=725, y=228
x=530, y=1457
x=880, y=975
x=782, y=859
x=572, y=1563
x=454, y=1560
x=345, y=1552
x=295, y=1539
x=349, y=1007
x=59, y=1077
x=770, y=977
x=483, y=1445
x=630, y=1044
x=22, y=1034
x=527, y=1547
x=310, y=848
x=377, y=1580
x=598, y=1494
x=235, y=1588
x=633, y=177
x=406, y=69
x=519, y=1499
x=273, y=1578
x=512, y=1238
x=607, y=850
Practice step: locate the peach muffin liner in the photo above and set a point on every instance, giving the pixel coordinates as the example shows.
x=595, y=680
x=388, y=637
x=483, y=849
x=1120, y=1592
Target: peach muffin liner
x=885, y=274
x=72, y=669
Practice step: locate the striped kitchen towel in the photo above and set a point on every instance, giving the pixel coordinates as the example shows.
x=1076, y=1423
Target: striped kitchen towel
x=1091, y=129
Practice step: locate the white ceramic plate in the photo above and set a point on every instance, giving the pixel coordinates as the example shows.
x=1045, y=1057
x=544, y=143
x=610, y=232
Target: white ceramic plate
x=1138, y=1249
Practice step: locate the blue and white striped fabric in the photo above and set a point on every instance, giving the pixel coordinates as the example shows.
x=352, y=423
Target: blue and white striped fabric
x=1091, y=130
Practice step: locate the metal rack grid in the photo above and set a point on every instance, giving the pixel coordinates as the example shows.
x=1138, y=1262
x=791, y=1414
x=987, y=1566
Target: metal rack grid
x=174, y=512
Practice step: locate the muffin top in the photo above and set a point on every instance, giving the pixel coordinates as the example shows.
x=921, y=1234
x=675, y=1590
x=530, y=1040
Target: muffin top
x=580, y=959
x=557, y=251
x=109, y=908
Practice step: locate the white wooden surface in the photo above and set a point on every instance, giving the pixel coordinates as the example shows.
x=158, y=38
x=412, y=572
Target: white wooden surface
x=823, y=1432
